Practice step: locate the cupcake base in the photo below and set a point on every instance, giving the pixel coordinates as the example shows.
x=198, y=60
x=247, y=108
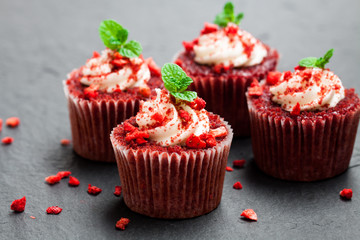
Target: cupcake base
x=173, y=185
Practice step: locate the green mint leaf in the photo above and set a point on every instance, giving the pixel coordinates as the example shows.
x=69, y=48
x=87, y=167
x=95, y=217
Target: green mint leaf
x=184, y=83
x=122, y=35
x=317, y=62
x=131, y=49
x=227, y=15
x=187, y=95
x=109, y=30
x=308, y=62
x=172, y=74
x=169, y=85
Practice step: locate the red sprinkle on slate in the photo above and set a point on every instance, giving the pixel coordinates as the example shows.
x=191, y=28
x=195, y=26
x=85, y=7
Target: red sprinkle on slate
x=1, y=122
x=7, y=140
x=117, y=191
x=65, y=142
x=18, y=205
x=52, y=179
x=296, y=110
x=239, y=163
x=63, y=174
x=122, y=223
x=237, y=185
x=53, y=210
x=13, y=122
x=32, y=217
x=229, y=169
x=93, y=190
x=73, y=181
x=249, y=214
x=346, y=193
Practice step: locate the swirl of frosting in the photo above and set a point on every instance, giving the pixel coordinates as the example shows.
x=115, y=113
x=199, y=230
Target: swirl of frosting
x=161, y=120
x=101, y=71
x=229, y=46
x=312, y=88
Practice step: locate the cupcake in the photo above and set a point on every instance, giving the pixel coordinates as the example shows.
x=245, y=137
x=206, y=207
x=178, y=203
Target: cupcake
x=223, y=61
x=107, y=90
x=303, y=123
x=172, y=155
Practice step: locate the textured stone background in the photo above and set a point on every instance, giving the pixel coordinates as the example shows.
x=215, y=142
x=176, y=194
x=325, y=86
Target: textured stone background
x=41, y=41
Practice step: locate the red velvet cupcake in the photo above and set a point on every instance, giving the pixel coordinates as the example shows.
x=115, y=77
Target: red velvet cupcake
x=107, y=90
x=303, y=124
x=223, y=61
x=172, y=155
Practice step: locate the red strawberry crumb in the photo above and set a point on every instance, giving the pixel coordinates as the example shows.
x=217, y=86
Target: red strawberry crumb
x=287, y=75
x=178, y=62
x=137, y=135
x=52, y=179
x=299, y=68
x=93, y=190
x=1, y=122
x=198, y=104
x=217, y=68
x=219, y=132
x=237, y=185
x=189, y=46
x=346, y=193
x=296, y=110
x=145, y=91
x=255, y=89
x=231, y=29
x=73, y=181
x=53, y=210
x=119, y=62
x=195, y=142
x=184, y=115
x=128, y=127
x=229, y=169
x=32, y=217
x=122, y=223
x=117, y=55
x=209, y=28
x=157, y=117
x=209, y=139
x=90, y=91
x=273, y=77
x=117, y=191
x=65, y=142
x=154, y=69
x=13, y=122
x=249, y=214
x=239, y=163
x=63, y=174
x=7, y=140
x=96, y=54
x=18, y=205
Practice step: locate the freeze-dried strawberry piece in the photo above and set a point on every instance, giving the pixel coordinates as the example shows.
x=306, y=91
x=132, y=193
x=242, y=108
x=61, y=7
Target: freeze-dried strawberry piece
x=73, y=181
x=231, y=29
x=32, y=217
x=273, y=77
x=229, y=169
x=287, y=75
x=178, y=62
x=249, y=214
x=7, y=140
x=137, y=135
x=53, y=210
x=157, y=117
x=145, y=91
x=63, y=174
x=91, y=91
x=12, y=122
x=1, y=122
x=189, y=46
x=346, y=193
x=117, y=191
x=119, y=62
x=218, y=132
x=122, y=223
x=209, y=139
x=198, y=104
x=184, y=115
x=96, y=54
x=195, y=142
x=299, y=68
x=18, y=205
x=296, y=110
x=128, y=127
x=255, y=89
x=209, y=28
x=237, y=185
x=53, y=179
x=65, y=142
x=154, y=69
x=93, y=190
x=239, y=163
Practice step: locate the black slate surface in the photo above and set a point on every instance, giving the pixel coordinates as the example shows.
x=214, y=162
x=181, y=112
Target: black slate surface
x=41, y=41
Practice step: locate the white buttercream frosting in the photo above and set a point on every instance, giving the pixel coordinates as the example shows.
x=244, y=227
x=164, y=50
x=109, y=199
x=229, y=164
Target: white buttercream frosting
x=100, y=71
x=171, y=130
x=312, y=88
x=238, y=49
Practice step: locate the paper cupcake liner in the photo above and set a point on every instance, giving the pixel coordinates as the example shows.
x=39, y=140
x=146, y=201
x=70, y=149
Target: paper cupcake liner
x=303, y=150
x=173, y=186
x=92, y=122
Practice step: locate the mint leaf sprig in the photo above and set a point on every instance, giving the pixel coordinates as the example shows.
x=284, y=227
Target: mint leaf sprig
x=176, y=82
x=317, y=62
x=227, y=15
x=114, y=36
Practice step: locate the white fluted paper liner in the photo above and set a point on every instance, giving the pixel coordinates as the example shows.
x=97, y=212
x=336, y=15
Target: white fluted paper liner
x=163, y=185
x=303, y=150
x=92, y=122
